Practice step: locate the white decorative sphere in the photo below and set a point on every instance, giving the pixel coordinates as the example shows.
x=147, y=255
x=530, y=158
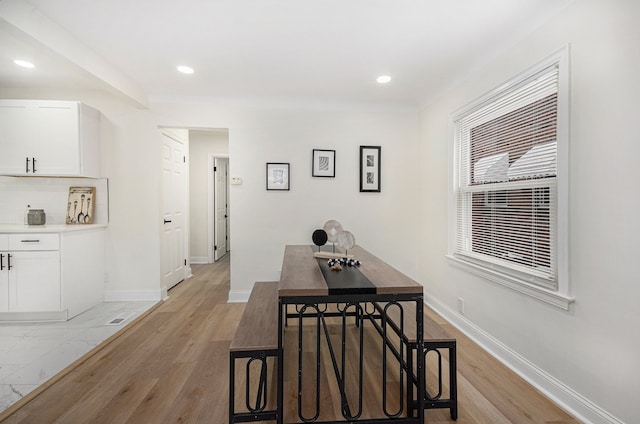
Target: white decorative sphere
x=346, y=240
x=332, y=228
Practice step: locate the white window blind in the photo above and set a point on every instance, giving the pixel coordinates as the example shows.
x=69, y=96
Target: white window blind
x=506, y=191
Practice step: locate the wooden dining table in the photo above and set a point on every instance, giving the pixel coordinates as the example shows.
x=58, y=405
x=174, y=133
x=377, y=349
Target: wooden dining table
x=363, y=294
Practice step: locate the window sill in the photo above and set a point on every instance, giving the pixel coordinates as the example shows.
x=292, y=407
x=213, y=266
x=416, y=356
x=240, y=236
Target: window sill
x=551, y=297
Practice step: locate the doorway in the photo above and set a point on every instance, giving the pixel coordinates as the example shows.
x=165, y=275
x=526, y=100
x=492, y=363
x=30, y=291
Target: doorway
x=209, y=196
x=220, y=207
x=174, y=209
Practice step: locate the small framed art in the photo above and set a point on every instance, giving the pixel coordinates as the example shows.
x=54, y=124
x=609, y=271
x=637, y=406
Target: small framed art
x=324, y=163
x=277, y=176
x=370, y=168
x=80, y=205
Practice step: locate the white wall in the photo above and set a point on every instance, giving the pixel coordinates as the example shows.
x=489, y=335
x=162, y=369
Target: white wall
x=589, y=354
x=263, y=222
x=202, y=144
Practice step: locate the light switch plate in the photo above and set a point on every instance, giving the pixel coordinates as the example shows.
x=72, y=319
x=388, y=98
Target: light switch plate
x=236, y=180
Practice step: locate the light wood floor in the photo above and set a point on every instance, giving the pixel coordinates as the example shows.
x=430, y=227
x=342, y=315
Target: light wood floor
x=172, y=365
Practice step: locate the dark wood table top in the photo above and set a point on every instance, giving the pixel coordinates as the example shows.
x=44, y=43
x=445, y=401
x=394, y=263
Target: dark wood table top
x=301, y=274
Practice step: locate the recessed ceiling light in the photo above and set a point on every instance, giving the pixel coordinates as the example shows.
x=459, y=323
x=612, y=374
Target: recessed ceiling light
x=383, y=79
x=24, y=63
x=185, y=69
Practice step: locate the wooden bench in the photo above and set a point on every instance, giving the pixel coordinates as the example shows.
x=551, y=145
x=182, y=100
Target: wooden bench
x=435, y=339
x=256, y=338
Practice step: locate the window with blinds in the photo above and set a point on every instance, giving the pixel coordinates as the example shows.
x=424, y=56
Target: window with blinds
x=506, y=182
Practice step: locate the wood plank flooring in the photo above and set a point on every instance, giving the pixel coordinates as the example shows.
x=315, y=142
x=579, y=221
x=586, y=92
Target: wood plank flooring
x=172, y=367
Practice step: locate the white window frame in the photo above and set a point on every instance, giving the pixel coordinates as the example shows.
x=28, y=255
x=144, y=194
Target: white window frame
x=559, y=297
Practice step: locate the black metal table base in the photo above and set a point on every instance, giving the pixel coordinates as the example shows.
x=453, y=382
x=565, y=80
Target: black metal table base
x=360, y=307
x=434, y=347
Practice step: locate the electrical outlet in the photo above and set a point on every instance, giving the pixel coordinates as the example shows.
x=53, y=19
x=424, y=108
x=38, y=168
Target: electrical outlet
x=461, y=306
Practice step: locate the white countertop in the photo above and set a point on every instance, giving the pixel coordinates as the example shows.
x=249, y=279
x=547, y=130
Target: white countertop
x=20, y=228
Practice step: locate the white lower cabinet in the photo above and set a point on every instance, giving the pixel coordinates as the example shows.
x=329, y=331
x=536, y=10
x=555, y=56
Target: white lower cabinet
x=4, y=273
x=50, y=276
x=29, y=273
x=82, y=270
x=34, y=282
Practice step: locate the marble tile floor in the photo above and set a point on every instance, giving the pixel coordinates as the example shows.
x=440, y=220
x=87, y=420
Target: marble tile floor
x=32, y=353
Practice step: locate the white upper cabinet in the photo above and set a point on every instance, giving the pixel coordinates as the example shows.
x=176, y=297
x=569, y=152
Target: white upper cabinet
x=49, y=138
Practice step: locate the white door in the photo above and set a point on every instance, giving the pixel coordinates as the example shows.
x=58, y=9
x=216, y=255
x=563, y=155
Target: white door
x=57, y=134
x=34, y=281
x=221, y=166
x=15, y=136
x=174, y=206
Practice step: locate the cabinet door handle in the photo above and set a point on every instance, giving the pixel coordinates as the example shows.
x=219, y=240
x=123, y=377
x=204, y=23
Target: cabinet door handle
x=33, y=165
x=167, y=221
x=1, y=261
x=9, y=261
x=29, y=241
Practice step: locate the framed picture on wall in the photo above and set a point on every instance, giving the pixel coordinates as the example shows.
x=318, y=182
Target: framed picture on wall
x=323, y=163
x=277, y=176
x=370, y=168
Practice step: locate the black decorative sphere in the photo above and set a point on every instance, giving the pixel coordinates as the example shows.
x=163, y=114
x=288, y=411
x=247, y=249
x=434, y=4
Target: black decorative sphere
x=319, y=237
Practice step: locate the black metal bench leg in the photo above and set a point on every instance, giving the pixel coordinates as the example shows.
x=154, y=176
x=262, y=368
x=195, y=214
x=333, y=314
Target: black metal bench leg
x=453, y=382
x=232, y=374
x=282, y=315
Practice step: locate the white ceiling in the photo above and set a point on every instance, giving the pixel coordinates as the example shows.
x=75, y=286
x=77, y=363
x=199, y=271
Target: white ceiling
x=52, y=70
x=300, y=50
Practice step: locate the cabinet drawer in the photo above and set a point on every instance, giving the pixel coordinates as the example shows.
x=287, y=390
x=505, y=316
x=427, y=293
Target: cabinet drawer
x=4, y=241
x=34, y=241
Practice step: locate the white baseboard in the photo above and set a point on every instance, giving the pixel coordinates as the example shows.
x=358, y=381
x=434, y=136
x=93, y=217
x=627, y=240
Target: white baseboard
x=132, y=295
x=567, y=398
x=34, y=316
x=239, y=296
x=199, y=260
